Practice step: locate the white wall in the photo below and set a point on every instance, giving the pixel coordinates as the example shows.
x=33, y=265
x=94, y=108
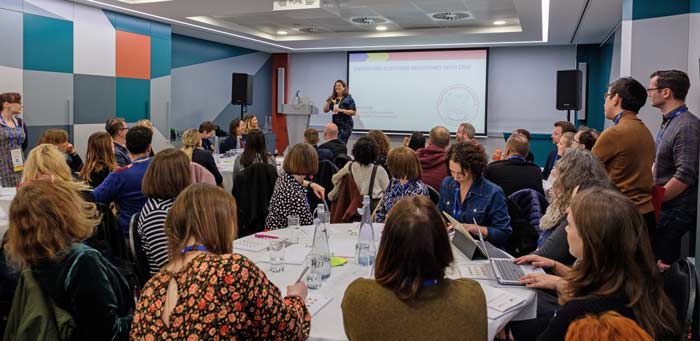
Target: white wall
x=693, y=98
x=521, y=84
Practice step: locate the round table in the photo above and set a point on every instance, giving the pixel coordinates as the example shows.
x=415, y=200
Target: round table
x=327, y=324
x=6, y=196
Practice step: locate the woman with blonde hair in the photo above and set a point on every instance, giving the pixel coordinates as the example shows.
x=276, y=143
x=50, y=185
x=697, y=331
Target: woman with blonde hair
x=192, y=146
x=207, y=291
x=251, y=123
x=48, y=223
x=100, y=160
x=45, y=160
x=59, y=138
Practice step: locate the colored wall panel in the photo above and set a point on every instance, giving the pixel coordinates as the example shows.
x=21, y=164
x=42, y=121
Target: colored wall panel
x=133, y=98
x=133, y=55
x=10, y=79
x=95, y=43
x=48, y=98
x=11, y=27
x=644, y=9
x=189, y=51
x=35, y=132
x=95, y=98
x=48, y=44
x=126, y=23
x=161, y=55
x=159, y=30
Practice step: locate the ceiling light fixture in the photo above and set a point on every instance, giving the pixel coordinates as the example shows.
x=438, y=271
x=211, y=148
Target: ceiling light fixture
x=499, y=22
x=381, y=28
x=282, y=32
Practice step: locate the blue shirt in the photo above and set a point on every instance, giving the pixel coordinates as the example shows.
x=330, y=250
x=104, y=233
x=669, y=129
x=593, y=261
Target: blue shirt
x=485, y=201
x=396, y=191
x=123, y=187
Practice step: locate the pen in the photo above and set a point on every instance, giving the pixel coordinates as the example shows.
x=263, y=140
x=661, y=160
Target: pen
x=268, y=236
x=302, y=274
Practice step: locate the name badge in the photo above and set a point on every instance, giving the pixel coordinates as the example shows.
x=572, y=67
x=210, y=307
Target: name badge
x=17, y=160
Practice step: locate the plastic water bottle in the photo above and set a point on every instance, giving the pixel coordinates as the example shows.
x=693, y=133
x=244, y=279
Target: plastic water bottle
x=366, y=248
x=321, y=248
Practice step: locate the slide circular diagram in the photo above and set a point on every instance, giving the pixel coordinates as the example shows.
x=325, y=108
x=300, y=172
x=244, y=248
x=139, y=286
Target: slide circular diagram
x=457, y=103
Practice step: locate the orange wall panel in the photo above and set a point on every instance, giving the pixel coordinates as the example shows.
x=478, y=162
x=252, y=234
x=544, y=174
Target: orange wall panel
x=133, y=55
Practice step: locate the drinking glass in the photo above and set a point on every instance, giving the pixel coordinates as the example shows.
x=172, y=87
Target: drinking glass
x=313, y=278
x=294, y=224
x=276, y=250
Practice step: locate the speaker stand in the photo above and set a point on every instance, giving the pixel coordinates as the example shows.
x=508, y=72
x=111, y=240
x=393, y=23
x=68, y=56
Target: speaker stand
x=568, y=115
x=244, y=110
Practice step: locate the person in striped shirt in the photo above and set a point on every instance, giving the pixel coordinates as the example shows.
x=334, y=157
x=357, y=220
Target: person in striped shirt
x=166, y=176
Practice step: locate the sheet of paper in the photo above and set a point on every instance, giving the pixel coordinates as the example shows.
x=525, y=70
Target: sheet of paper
x=251, y=244
x=500, y=301
x=316, y=302
x=476, y=271
x=296, y=254
x=343, y=247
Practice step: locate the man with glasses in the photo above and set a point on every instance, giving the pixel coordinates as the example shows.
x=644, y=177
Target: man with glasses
x=117, y=128
x=627, y=149
x=676, y=164
x=585, y=139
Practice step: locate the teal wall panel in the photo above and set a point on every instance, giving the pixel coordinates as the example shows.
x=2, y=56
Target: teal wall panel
x=694, y=6
x=645, y=9
x=161, y=56
x=48, y=44
x=189, y=51
x=127, y=23
x=599, y=60
x=133, y=96
x=540, y=146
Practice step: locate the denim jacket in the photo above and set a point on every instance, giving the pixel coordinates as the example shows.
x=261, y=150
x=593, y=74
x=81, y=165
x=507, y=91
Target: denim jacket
x=485, y=201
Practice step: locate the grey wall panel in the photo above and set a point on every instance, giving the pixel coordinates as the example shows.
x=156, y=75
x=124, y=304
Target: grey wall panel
x=48, y=98
x=11, y=24
x=95, y=98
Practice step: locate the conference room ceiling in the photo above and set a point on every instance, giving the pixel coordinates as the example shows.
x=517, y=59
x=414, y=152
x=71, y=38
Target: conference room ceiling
x=337, y=25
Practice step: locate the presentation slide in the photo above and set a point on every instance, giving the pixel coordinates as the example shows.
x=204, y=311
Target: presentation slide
x=415, y=91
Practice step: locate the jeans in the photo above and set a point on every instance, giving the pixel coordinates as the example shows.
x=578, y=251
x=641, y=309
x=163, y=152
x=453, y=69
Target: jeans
x=673, y=224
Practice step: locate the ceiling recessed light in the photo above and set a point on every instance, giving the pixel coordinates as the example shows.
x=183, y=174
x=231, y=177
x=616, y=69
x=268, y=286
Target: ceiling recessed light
x=381, y=28
x=282, y=32
x=499, y=22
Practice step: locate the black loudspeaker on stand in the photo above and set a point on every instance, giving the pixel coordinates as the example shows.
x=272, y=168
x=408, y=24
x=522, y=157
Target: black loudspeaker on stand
x=569, y=91
x=242, y=91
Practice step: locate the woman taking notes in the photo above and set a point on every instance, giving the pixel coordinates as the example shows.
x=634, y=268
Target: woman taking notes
x=343, y=107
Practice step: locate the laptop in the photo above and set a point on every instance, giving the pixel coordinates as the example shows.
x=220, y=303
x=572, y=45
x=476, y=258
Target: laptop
x=464, y=241
x=506, y=272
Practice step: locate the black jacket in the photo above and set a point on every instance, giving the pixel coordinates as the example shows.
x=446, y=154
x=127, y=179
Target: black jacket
x=549, y=165
x=206, y=159
x=515, y=174
x=252, y=189
x=336, y=146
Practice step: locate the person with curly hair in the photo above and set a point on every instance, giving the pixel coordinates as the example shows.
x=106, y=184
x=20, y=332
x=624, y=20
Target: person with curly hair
x=383, y=146
x=365, y=152
x=467, y=195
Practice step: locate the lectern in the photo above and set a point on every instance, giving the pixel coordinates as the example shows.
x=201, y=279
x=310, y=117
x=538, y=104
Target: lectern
x=297, y=116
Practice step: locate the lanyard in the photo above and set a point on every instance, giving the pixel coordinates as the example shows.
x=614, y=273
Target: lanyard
x=667, y=121
x=9, y=131
x=143, y=158
x=457, y=205
x=429, y=282
x=516, y=157
x=190, y=248
x=617, y=118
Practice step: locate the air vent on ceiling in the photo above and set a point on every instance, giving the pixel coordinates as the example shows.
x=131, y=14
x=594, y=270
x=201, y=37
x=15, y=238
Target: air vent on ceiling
x=451, y=16
x=369, y=20
x=311, y=29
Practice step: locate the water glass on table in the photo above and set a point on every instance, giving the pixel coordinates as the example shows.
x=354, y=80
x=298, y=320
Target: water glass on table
x=276, y=250
x=313, y=277
x=294, y=224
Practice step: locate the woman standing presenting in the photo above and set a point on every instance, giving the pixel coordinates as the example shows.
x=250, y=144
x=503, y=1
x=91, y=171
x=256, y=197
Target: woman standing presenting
x=12, y=139
x=343, y=107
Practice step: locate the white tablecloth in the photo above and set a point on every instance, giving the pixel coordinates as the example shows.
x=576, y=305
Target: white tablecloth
x=6, y=196
x=327, y=324
x=225, y=165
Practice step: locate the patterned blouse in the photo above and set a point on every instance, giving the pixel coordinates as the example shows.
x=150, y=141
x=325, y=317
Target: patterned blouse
x=396, y=191
x=288, y=198
x=221, y=297
x=8, y=141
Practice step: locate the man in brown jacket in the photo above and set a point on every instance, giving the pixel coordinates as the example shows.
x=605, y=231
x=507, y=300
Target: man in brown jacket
x=627, y=149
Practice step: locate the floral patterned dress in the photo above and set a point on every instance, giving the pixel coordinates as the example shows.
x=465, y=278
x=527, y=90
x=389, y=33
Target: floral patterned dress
x=220, y=297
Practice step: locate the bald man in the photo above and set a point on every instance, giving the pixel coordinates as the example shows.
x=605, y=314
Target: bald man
x=336, y=146
x=432, y=157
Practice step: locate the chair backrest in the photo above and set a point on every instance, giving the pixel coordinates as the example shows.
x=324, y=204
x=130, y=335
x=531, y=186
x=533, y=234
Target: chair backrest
x=680, y=284
x=252, y=189
x=434, y=194
x=341, y=160
x=323, y=177
x=138, y=255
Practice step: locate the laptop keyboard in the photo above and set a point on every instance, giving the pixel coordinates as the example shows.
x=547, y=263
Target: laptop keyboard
x=509, y=270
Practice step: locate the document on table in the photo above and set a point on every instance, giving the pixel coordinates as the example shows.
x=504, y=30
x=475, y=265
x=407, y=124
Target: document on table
x=476, y=271
x=296, y=254
x=499, y=301
x=251, y=244
x=343, y=247
x=316, y=302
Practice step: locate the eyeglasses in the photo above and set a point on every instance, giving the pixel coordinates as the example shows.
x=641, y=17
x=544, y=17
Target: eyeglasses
x=605, y=95
x=579, y=142
x=652, y=89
